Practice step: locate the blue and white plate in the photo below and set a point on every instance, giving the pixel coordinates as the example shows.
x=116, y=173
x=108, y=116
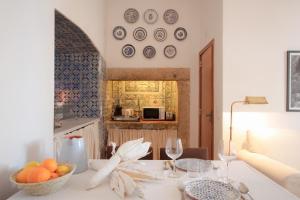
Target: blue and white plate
x=131, y=15
x=170, y=51
x=150, y=16
x=180, y=34
x=160, y=34
x=128, y=50
x=149, y=52
x=119, y=32
x=139, y=33
x=211, y=189
x=171, y=16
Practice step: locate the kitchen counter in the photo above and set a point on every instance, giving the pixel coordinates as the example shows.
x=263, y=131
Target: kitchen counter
x=70, y=125
x=151, y=125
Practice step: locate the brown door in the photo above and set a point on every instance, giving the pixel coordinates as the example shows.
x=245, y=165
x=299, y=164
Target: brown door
x=206, y=99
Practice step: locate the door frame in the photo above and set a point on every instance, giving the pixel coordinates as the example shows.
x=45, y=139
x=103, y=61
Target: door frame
x=210, y=44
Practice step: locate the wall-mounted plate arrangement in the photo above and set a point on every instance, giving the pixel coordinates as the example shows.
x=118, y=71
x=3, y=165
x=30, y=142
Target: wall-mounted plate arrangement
x=171, y=16
x=160, y=34
x=131, y=15
x=150, y=16
x=119, y=32
x=128, y=50
x=180, y=34
x=170, y=51
x=149, y=52
x=139, y=33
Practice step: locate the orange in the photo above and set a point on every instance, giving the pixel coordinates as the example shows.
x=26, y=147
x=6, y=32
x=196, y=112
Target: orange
x=50, y=164
x=21, y=177
x=53, y=175
x=62, y=170
x=38, y=174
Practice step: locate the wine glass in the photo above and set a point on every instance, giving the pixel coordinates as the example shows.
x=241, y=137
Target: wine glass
x=174, y=150
x=227, y=156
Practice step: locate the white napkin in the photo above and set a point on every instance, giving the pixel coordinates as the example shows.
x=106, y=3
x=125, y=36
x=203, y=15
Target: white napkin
x=122, y=178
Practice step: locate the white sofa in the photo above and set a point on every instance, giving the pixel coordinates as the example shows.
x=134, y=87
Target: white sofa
x=283, y=174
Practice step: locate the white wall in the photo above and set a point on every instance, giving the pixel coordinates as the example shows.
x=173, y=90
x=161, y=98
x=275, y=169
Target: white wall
x=190, y=17
x=90, y=16
x=26, y=85
x=256, y=36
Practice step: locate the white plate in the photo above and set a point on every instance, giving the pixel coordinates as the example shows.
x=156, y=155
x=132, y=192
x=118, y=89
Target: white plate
x=210, y=189
x=150, y=16
x=182, y=164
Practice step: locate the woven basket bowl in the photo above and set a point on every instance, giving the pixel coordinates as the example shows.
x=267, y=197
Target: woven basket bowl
x=43, y=188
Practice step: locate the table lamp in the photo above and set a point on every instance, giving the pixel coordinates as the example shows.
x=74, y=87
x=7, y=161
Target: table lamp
x=248, y=100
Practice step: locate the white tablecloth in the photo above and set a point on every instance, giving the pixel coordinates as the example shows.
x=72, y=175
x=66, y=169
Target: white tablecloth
x=261, y=187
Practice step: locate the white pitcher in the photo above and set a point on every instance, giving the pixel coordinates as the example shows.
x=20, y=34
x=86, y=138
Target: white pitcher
x=71, y=149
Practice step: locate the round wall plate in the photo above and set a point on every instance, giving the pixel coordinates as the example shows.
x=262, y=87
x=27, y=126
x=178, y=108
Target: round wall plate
x=131, y=15
x=170, y=51
x=119, y=32
x=171, y=16
x=139, y=33
x=128, y=50
x=180, y=34
x=149, y=52
x=150, y=16
x=160, y=34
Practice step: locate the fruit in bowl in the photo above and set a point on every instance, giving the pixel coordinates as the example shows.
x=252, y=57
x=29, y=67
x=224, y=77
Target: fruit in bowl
x=42, y=178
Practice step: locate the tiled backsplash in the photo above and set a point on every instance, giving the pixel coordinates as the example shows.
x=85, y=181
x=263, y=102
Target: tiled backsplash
x=138, y=94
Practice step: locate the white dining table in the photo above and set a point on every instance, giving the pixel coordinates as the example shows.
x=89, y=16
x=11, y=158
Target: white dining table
x=260, y=186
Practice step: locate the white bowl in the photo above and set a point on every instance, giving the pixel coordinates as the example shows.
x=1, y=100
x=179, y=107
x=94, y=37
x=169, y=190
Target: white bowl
x=43, y=188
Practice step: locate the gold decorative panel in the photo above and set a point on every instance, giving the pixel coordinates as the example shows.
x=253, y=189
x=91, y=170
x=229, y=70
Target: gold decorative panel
x=138, y=94
x=141, y=86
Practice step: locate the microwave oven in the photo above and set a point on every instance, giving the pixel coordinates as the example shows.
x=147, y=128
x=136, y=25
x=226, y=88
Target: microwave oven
x=154, y=113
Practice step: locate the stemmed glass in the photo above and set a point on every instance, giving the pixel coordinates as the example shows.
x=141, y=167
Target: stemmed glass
x=174, y=150
x=227, y=157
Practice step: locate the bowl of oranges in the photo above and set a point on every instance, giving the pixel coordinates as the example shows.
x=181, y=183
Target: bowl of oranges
x=42, y=178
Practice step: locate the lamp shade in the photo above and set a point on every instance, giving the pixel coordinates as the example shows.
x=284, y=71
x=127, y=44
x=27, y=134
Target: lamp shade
x=255, y=100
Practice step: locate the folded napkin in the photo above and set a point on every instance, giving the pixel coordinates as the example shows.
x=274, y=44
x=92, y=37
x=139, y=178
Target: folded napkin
x=122, y=178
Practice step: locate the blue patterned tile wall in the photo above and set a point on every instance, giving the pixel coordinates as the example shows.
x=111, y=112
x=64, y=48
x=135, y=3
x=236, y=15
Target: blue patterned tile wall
x=77, y=70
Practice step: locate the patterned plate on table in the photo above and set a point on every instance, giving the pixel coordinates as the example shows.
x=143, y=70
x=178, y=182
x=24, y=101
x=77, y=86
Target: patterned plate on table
x=180, y=34
x=170, y=51
x=119, y=32
x=139, y=33
x=150, y=16
x=131, y=15
x=128, y=50
x=210, y=189
x=160, y=34
x=182, y=164
x=149, y=51
x=171, y=16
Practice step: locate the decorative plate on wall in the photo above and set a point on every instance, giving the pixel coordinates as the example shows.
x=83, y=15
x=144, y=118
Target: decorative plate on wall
x=150, y=16
x=171, y=16
x=139, y=33
x=160, y=34
x=119, y=32
x=180, y=34
x=149, y=51
x=128, y=50
x=131, y=15
x=170, y=51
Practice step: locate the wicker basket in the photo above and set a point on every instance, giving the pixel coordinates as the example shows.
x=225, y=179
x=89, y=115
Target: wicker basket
x=43, y=188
